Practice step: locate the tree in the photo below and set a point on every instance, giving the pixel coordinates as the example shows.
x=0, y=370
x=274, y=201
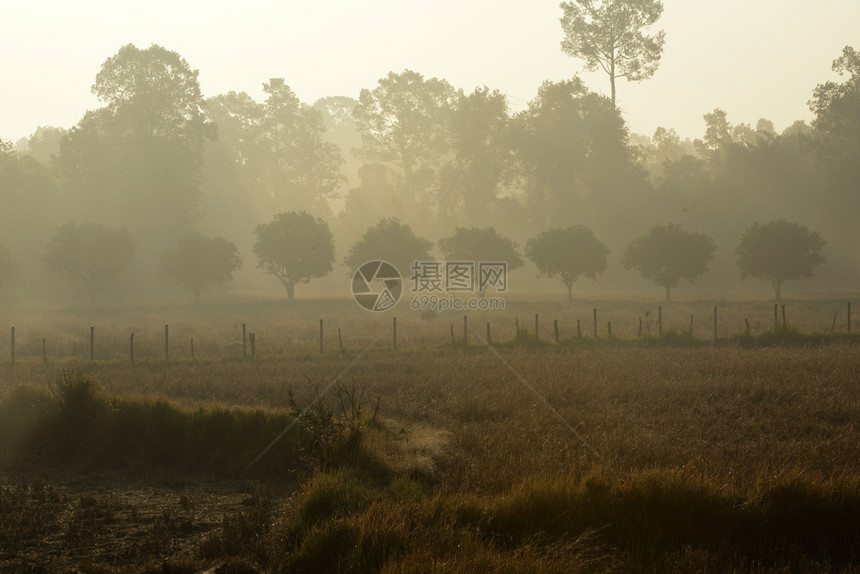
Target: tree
x=611, y=35
x=197, y=261
x=476, y=244
x=779, y=251
x=667, y=254
x=568, y=253
x=137, y=159
x=469, y=183
x=391, y=241
x=572, y=150
x=93, y=253
x=295, y=248
x=277, y=148
x=403, y=124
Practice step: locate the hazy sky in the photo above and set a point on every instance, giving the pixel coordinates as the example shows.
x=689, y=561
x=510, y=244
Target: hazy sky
x=753, y=58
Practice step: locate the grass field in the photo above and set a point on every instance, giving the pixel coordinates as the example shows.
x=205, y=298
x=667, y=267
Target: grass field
x=607, y=454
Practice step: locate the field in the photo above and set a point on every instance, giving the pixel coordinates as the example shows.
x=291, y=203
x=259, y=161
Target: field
x=656, y=452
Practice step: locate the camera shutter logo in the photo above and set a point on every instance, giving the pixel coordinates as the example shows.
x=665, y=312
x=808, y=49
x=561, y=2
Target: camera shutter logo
x=377, y=286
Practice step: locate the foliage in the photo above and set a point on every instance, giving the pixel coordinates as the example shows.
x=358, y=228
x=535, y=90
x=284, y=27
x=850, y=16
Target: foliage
x=667, y=254
x=572, y=154
x=198, y=261
x=137, y=159
x=93, y=253
x=391, y=241
x=611, y=35
x=295, y=248
x=568, y=253
x=403, y=124
x=475, y=244
x=779, y=251
x=278, y=149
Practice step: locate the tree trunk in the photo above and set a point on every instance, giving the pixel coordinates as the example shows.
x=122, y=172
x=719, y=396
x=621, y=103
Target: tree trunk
x=612, y=75
x=569, y=292
x=290, y=291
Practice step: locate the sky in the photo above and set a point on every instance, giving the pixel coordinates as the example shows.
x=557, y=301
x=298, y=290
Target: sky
x=751, y=58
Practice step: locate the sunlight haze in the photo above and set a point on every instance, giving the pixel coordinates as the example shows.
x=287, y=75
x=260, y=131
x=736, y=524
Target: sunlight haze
x=759, y=59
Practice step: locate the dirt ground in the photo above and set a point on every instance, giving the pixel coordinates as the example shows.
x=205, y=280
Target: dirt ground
x=135, y=520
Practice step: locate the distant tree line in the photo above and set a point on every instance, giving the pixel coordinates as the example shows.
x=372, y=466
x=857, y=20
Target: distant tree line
x=416, y=157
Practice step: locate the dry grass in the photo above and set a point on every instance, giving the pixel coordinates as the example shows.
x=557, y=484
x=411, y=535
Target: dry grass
x=478, y=461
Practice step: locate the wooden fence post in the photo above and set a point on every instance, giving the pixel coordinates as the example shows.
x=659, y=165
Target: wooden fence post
x=578, y=330
x=13, y=348
x=244, y=347
x=595, y=322
x=44, y=351
x=660, y=321
x=340, y=340
x=465, y=331
x=784, y=324
x=849, y=317
x=92, y=343
x=489, y=340
x=253, y=337
x=166, y=343
x=555, y=329
x=394, y=331
x=537, y=333
x=321, y=336
x=453, y=341
x=131, y=348
x=715, y=324
x=193, y=358
x=609, y=329
x=775, y=316
x=640, y=327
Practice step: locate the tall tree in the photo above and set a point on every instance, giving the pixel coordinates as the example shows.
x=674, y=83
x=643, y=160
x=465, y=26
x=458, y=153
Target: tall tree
x=137, y=159
x=277, y=149
x=837, y=122
x=480, y=244
x=611, y=35
x=571, y=149
x=92, y=253
x=403, y=124
x=470, y=182
x=779, y=251
x=295, y=248
x=568, y=253
x=667, y=254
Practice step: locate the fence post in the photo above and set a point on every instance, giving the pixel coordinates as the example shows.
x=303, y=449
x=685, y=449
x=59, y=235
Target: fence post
x=166, y=343
x=555, y=329
x=609, y=329
x=44, y=351
x=321, y=336
x=578, y=330
x=13, y=347
x=517, y=323
x=640, y=327
x=691, y=324
x=92, y=343
x=775, y=316
x=453, y=340
x=660, y=320
x=131, y=348
x=595, y=322
x=394, y=330
x=340, y=340
x=244, y=347
x=784, y=325
x=849, y=317
x=537, y=333
x=715, y=324
x=193, y=358
x=747, y=321
x=465, y=331
x=253, y=337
